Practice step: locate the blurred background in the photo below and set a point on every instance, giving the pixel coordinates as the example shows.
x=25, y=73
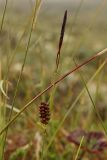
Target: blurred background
x=85, y=35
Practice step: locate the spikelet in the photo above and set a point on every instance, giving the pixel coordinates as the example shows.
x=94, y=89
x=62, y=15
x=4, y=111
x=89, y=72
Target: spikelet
x=44, y=113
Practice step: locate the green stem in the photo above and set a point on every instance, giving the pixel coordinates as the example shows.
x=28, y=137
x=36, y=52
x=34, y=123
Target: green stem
x=78, y=151
x=93, y=104
x=19, y=78
x=4, y=13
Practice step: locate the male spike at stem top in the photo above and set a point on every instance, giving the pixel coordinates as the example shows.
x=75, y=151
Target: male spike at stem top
x=44, y=113
x=61, y=39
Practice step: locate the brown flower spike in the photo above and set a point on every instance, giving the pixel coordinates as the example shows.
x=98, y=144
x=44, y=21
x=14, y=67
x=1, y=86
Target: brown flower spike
x=44, y=113
x=61, y=38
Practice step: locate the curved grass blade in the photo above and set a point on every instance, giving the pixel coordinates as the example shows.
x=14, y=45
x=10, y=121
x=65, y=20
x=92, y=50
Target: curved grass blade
x=2, y=89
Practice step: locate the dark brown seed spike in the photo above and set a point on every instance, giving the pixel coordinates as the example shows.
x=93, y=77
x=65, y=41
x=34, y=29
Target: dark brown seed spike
x=44, y=113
